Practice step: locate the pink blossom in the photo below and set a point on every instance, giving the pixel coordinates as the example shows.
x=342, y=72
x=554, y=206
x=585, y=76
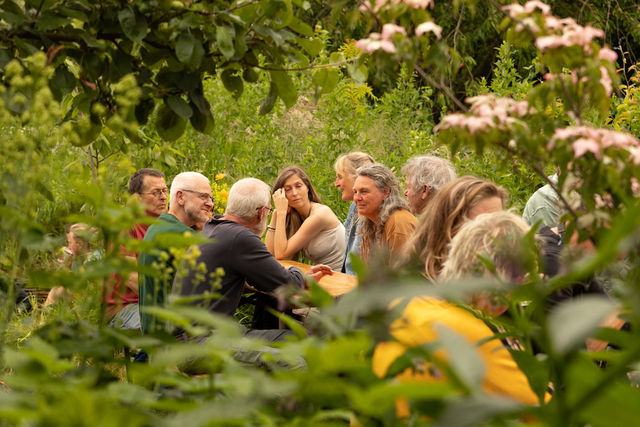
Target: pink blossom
x=474, y=124
x=388, y=30
x=531, y=6
x=635, y=186
x=545, y=42
x=582, y=145
x=375, y=42
x=429, y=26
x=634, y=155
x=607, y=54
x=605, y=81
x=450, y=120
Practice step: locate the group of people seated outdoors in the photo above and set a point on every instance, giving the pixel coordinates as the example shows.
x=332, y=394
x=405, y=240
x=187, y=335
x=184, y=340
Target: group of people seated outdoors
x=443, y=227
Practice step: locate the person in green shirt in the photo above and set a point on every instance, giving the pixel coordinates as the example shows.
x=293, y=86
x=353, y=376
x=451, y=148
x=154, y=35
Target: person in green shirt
x=190, y=204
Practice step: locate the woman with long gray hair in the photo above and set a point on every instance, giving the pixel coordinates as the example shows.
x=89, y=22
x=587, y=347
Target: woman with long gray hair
x=385, y=220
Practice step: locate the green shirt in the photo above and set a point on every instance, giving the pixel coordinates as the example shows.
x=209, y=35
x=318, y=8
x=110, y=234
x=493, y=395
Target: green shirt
x=152, y=289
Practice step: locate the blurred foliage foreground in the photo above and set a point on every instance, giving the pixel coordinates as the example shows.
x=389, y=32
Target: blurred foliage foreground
x=61, y=366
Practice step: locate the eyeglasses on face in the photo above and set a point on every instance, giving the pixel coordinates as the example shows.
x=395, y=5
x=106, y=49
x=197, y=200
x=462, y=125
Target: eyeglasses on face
x=267, y=208
x=159, y=192
x=203, y=196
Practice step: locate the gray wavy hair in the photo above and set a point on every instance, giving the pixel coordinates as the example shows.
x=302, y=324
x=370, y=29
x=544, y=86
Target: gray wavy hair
x=246, y=196
x=432, y=171
x=384, y=180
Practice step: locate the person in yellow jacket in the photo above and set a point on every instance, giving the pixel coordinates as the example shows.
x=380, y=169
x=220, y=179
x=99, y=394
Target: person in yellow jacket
x=495, y=236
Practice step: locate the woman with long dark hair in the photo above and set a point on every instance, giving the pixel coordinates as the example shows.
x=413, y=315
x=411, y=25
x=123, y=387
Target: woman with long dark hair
x=301, y=224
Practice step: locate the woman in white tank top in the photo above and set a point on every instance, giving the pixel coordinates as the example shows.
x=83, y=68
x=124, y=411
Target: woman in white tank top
x=301, y=223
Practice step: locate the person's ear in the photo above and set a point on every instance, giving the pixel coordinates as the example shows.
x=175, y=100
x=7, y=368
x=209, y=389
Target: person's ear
x=425, y=192
x=387, y=191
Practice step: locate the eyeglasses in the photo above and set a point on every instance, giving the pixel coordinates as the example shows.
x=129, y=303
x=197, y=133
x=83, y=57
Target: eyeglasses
x=267, y=208
x=203, y=196
x=157, y=193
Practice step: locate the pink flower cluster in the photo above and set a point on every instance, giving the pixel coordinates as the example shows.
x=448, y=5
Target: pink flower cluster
x=556, y=32
x=587, y=139
x=377, y=41
x=429, y=26
x=488, y=112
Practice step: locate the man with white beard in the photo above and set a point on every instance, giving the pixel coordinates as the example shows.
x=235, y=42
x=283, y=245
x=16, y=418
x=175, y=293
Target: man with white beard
x=236, y=248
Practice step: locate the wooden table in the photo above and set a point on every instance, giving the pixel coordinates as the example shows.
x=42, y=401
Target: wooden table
x=336, y=284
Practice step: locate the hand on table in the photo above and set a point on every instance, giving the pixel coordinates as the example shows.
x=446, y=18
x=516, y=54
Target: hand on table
x=280, y=201
x=317, y=272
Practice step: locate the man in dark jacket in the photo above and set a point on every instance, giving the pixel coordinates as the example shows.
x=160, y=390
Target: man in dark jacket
x=237, y=250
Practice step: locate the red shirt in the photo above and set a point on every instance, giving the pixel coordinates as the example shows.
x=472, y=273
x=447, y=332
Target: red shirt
x=119, y=294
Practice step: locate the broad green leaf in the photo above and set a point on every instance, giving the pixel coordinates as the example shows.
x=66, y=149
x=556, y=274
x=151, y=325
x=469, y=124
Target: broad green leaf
x=133, y=25
x=358, y=73
x=269, y=101
x=62, y=82
x=572, y=322
x=200, y=102
x=202, y=122
x=169, y=125
x=144, y=109
x=326, y=79
x=312, y=46
x=286, y=90
x=250, y=75
x=232, y=82
x=12, y=13
x=224, y=41
x=319, y=297
x=464, y=359
x=185, y=47
x=49, y=21
x=300, y=27
x=179, y=106
x=75, y=13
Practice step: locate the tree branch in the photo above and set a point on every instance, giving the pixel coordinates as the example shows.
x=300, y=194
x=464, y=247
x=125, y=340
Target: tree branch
x=441, y=87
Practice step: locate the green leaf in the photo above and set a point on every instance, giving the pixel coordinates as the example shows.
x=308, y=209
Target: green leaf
x=62, y=82
x=326, y=79
x=232, y=82
x=301, y=27
x=185, y=47
x=200, y=102
x=12, y=13
x=179, y=106
x=463, y=358
x=144, y=109
x=286, y=90
x=5, y=57
x=358, y=73
x=250, y=75
x=202, y=122
x=312, y=46
x=572, y=322
x=269, y=101
x=224, y=40
x=292, y=324
x=133, y=25
x=319, y=297
x=48, y=21
x=169, y=125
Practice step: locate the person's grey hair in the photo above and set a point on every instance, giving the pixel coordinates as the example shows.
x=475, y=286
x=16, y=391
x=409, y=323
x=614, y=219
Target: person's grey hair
x=498, y=237
x=184, y=181
x=246, y=196
x=432, y=171
x=383, y=179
